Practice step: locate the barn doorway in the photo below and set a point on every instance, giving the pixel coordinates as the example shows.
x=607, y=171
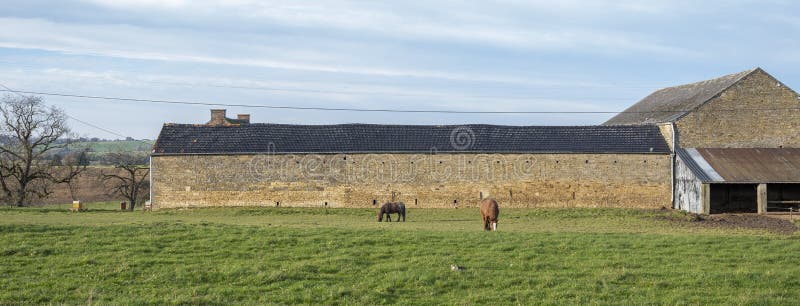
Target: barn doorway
x=782, y=197
x=733, y=198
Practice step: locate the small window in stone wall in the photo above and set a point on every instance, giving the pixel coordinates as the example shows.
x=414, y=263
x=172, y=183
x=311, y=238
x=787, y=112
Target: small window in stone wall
x=326, y=204
x=455, y=203
x=480, y=194
x=277, y=204
x=415, y=202
x=374, y=202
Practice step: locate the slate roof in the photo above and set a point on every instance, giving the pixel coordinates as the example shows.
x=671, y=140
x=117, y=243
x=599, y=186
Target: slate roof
x=373, y=138
x=669, y=104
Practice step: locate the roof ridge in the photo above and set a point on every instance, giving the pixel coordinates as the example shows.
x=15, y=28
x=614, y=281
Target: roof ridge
x=742, y=74
x=672, y=103
x=405, y=125
x=738, y=79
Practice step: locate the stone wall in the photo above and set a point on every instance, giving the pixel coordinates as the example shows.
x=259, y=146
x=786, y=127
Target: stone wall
x=419, y=180
x=667, y=133
x=756, y=112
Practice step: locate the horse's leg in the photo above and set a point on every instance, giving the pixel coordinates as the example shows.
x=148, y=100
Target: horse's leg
x=389, y=217
x=486, y=222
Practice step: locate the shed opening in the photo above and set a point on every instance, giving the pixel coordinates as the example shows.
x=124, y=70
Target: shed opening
x=733, y=198
x=782, y=197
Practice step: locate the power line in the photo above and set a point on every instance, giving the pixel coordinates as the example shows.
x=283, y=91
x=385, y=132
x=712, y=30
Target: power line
x=7, y=89
x=105, y=98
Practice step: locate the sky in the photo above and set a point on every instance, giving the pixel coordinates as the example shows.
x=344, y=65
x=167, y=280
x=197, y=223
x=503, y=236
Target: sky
x=509, y=56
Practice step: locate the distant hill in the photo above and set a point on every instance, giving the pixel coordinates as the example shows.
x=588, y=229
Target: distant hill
x=116, y=146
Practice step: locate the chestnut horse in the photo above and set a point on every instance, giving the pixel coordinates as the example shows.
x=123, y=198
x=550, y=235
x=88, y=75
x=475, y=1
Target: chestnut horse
x=390, y=208
x=489, y=214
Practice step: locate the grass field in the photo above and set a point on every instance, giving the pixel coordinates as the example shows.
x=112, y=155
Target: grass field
x=343, y=256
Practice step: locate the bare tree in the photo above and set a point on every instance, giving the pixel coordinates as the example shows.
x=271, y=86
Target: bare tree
x=130, y=179
x=71, y=166
x=30, y=132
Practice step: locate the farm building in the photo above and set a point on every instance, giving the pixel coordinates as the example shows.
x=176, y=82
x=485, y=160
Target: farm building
x=735, y=139
x=662, y=152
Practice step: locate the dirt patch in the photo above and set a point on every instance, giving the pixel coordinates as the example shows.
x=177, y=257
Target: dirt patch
x=748, y=221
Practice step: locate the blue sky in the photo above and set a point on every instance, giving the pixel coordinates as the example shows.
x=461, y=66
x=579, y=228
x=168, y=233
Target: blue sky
x=437, y=55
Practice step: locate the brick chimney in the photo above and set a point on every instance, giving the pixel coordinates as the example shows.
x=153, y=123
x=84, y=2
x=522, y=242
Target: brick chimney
x=217, y=117
x=244, y=118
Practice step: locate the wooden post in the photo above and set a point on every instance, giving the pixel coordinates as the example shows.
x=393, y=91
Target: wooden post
x=761, y=192
x=77, y=206
x=705, y=195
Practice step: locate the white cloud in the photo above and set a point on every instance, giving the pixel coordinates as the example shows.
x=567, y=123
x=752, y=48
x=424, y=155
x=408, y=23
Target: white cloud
x=130, y=42
x=451, y=21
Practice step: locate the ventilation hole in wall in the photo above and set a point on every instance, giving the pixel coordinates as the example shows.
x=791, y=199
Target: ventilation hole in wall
x=415, y=201
x=527, y=162
x=481, y=195
x=440, y=161
x=383, y=163
x=374, y=202
x=498, y=161
x=469, y=161
x=615, y=161
x=277, y=204
x=455, y=202
x=326, y=204
x=645, y=162
x=510, y=193
x=587, y=161
x=573, y=195
x=345, y=158
x=780, y=147
x=297, y=162
x=556, y=162
x=412, y=162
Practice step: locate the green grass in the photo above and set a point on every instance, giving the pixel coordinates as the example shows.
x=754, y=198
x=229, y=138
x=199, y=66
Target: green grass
x=343, y=256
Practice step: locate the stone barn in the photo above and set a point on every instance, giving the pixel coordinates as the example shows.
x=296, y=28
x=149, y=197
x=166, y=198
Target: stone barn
x=735, y=139
x=232, y=163
x=684, y=147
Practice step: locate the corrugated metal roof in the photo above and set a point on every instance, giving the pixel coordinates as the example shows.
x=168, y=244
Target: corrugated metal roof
x=372, y=138
x=692, y=160
x=671, y=103
x=747, y=165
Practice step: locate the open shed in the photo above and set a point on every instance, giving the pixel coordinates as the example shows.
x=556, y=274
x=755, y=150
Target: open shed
x=719, y=180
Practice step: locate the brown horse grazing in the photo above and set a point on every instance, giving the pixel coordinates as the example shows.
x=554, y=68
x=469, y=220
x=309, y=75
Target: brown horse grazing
x=390, y=208
x=489, y=213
